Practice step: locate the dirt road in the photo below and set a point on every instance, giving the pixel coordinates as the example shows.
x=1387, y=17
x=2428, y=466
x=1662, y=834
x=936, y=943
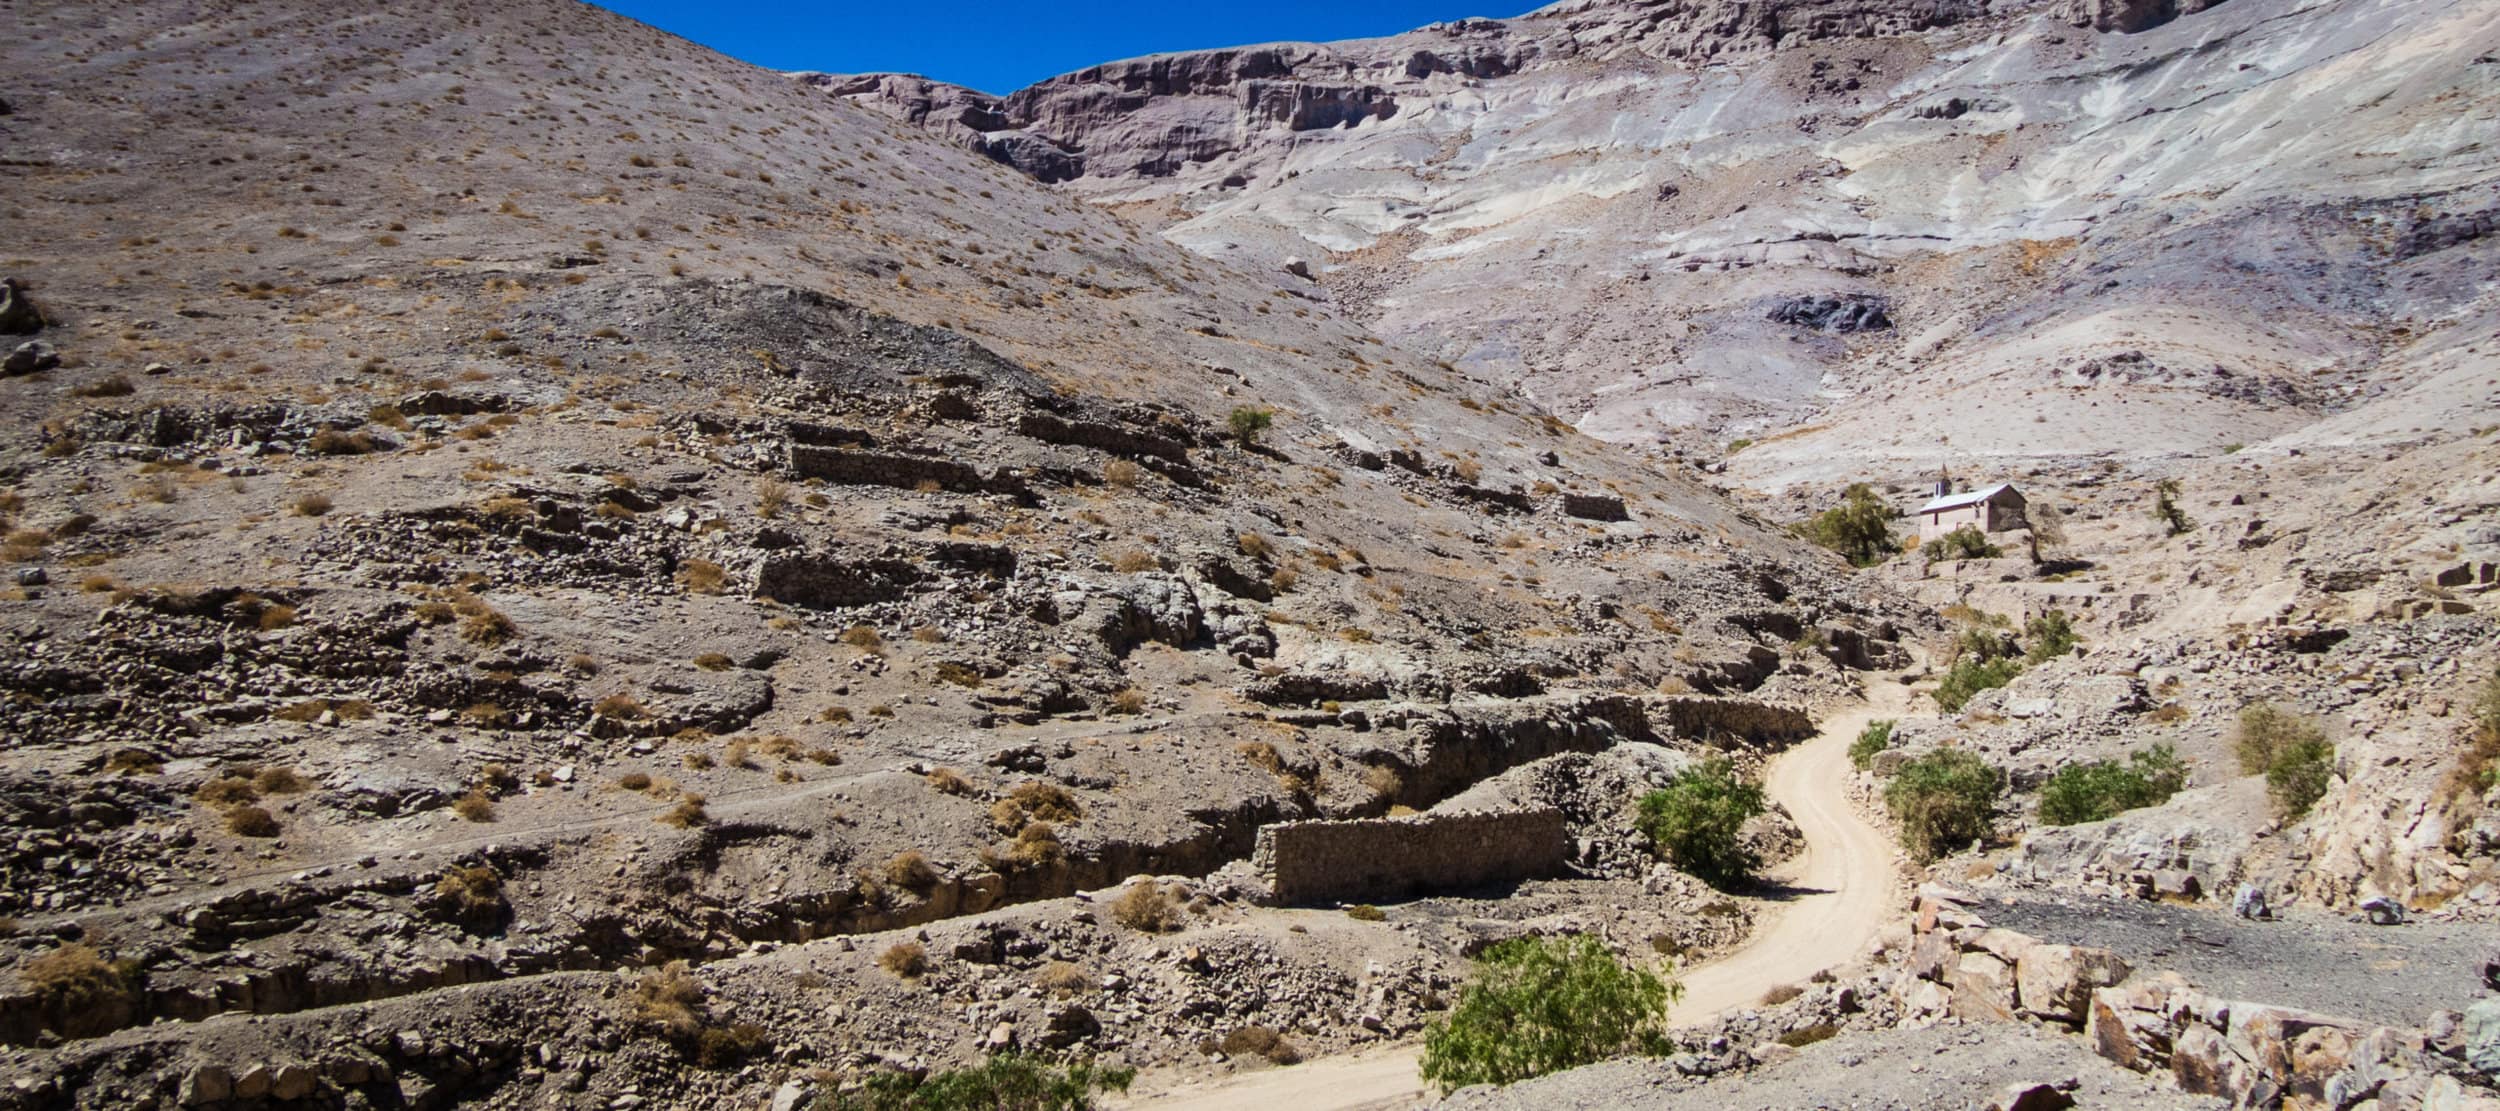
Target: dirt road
x=1845, y=884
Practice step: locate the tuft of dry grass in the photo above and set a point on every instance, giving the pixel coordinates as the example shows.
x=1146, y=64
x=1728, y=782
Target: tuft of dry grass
x=687, y=814
x=907, y=959
x=702, y=576
x=1063, y=979
x=474, y=806
x=277, y=779
x=714, y=661
x=1034, y=801
x=1146, y=908
x=312, y=505
x=252, y=821
x=911, y=871
x=948, y=781
x=1132, y=560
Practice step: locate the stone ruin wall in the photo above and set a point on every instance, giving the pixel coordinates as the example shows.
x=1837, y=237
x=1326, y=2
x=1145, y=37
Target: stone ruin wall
x=1389, y=858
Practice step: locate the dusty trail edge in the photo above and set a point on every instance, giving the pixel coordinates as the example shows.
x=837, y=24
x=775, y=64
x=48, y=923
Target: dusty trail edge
x=1849, y=883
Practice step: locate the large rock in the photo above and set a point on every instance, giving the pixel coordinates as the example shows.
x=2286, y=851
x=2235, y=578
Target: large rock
x=1983, y=988
x=2482, y=1037
x=18, y=315
x=2057, y=981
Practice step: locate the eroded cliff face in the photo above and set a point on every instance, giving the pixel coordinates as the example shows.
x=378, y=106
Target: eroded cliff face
x=2169, y=226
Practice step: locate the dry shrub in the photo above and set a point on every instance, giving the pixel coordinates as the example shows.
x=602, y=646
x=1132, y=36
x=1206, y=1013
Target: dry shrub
x=714, y=661
x=133, y=761
x=275, y=617
x=864, y=638
x=277, y=779
x=312, y=505
x=929, y=634
x=227, y=790
x=961, y=675
x=907, y=959
x=333, y=442
x=687, y=814
x=701, y=576
x=634, y=781
x=252, y=821
x=1255, y=546
x=1122, y=473
x=948, y=781
x=1132, y=560
x=1262, y=754
x=1037, y=845
x=115, y=386
x=1131, y=701
x=471, y=893
x=1383, y=781
x=771, y=497
x=80, y=992
x=735, y=755
x=669, y=999
x=1781, y=993
x=1365, y=912
x=780, y=746
x=1034, y=801
x=1260, y=1041
x=620, y=706
x=1063, y=979
x=1146, y=908
x=474, y=806
x=696, y=761
x=911, y=871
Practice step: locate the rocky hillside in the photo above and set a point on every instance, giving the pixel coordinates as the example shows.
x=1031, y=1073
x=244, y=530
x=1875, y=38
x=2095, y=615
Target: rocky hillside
x=1900, y=235
x=499, y=500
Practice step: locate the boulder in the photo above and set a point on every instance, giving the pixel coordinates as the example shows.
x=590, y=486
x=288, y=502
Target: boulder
x=207, y=1084
x=2202, y=1063
x=2250, y=902
x=18, y=314
x=2383, y=911
x=2125, y=1036
x=2031, y=1097
x=30, y=357
x=2057, y=981
x=2482, y=1037
x=1983, y=988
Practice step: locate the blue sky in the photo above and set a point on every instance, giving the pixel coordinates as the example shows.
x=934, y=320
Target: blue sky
x=1000, y=47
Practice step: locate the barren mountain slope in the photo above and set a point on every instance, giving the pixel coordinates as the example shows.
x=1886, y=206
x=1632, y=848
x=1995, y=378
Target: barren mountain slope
x=499, y=497
x=1931, y=232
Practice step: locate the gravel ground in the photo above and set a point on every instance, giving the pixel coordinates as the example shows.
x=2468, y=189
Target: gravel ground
x=1940, y=1067
x=2387, y=974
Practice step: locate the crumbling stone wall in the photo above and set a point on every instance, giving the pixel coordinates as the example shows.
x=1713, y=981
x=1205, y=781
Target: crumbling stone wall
x=1760, y=724
x=820, y=581
x=879, y=468
x=1595, y=507
x=1386, y=858
x=1112, y=438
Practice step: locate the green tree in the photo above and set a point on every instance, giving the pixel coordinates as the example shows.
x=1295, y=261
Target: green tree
x=2166, y=507
x=1539, y=1005
x=1944, y=801
x=1006, y=1082
x=1859, y=528
x=1694, y=823
x=1876, y=737
x=2101, y=789
x=2298, y=777
x=1248, y=421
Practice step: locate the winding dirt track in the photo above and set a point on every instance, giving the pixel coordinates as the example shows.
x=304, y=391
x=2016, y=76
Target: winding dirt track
x=1844, y=885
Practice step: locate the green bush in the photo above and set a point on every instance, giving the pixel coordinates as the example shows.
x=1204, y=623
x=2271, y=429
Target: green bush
x=1966, y=542
x=1693, y=823
x=2101, y=789
x=1248, y=421
x=1876, y=737
x=1537, y=1006
x=1944, y=801
x=1007, y=1082
x=2297, y=779
x=2052, y=634
x=1970, y=675
x=1860, y=528
x=2291, y=751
